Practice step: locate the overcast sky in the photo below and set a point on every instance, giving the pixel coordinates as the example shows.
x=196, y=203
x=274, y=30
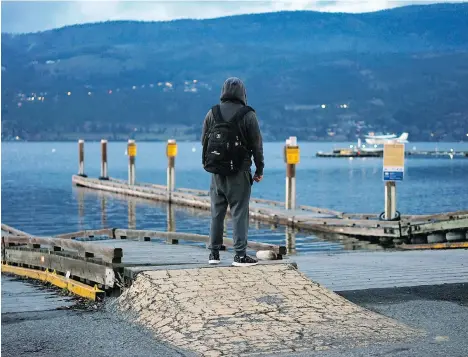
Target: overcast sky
x=30, y=16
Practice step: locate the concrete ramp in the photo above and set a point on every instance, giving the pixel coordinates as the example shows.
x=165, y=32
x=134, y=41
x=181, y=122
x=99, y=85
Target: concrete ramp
x=229, y=311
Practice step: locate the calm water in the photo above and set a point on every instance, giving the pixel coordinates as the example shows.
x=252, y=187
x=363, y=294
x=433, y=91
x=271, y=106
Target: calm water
x=38, y=197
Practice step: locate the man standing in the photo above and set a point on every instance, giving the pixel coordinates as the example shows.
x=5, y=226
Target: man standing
x=230, y=138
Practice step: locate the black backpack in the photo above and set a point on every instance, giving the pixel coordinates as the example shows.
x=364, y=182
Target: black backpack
x=224, y=147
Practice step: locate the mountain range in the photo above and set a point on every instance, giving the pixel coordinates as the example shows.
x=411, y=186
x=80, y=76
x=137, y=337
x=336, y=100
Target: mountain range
x=319, y=76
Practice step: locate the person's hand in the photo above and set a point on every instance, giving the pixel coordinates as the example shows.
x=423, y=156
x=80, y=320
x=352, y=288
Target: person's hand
x=258, y=178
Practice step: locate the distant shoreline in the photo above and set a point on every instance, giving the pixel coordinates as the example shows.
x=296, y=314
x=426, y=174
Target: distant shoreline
x=196, y=141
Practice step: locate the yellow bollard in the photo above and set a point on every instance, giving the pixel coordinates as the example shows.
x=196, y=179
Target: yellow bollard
x=131, y=151
x=291, y=158
x=171, y=153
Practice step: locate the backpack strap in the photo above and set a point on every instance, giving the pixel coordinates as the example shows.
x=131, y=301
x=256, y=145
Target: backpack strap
x=240, y=114
x=218, y=117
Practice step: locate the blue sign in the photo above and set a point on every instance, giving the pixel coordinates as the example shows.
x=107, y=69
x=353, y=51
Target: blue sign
x=393, y=176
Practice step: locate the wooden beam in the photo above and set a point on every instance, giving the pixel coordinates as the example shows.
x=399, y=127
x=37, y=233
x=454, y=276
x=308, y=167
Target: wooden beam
x=84, y=269
x=13, y=231
x=448, y=245
x=141, y=234
x=86, y=234
x=84, y=250
x=321, y=210
x=437, y=226
x=60, y=281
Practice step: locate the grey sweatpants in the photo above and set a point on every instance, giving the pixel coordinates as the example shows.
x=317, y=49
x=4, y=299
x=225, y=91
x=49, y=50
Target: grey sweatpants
x=235, y=192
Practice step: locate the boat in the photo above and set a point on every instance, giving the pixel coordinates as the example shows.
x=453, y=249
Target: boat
x=374, y=147
x=373, y=139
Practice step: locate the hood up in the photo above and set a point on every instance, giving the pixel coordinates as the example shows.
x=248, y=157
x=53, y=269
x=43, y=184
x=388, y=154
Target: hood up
x=234, y=91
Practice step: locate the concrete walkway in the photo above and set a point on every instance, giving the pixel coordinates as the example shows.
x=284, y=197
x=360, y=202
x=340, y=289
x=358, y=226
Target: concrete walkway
x=370, y=270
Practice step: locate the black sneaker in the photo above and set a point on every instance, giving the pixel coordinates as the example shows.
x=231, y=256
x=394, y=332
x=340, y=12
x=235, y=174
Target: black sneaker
x=244, y=261
x=214, y=258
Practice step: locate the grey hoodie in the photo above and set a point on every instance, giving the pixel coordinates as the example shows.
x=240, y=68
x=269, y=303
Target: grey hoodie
x=233, y=97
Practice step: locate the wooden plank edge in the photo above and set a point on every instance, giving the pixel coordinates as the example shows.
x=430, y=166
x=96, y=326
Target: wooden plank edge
x=87, y=269
x=85, y=234
x=445, y=245
x=84, y=250
x=142, y=234
x=77, y=288
x=12, y=230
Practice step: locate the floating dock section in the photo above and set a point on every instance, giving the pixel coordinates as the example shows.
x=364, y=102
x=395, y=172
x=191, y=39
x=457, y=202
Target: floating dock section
x=307, y=218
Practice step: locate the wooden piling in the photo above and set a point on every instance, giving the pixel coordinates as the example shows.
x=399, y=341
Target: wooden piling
x=171, y=224
x=390, y=200
x=171, y=153
x=291, y=157
x=290, y=240
x=81, y=158
x=104, y=174
x=131, y=151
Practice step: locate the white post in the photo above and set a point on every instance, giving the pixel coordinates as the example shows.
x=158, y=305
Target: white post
x=390, y=200
x=104, y=175
x=171, y=224
x=81, y=157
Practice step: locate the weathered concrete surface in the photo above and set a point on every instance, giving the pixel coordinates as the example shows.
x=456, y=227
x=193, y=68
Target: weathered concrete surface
x=255, y=310
x=440, y=310
x=365, y=270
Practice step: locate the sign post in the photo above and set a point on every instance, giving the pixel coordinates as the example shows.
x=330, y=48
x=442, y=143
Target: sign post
x=393, y=170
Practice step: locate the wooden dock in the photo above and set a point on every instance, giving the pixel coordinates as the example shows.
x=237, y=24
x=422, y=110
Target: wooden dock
x=306, y=218
x=112, y=261
x=351, y=153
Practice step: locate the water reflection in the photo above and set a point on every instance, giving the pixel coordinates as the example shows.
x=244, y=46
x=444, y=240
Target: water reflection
x=131, y=213
x=290, y=240
x=80, y=199
x=103, y=212
x=171, y=222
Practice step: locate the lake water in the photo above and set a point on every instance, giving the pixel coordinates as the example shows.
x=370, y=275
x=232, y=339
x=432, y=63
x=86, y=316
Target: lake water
x=38, y=196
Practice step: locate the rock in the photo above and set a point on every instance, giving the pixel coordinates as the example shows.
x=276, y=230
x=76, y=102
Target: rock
x=436, y=238
x=419, y=239
x=266, y=255
x=455, y=236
